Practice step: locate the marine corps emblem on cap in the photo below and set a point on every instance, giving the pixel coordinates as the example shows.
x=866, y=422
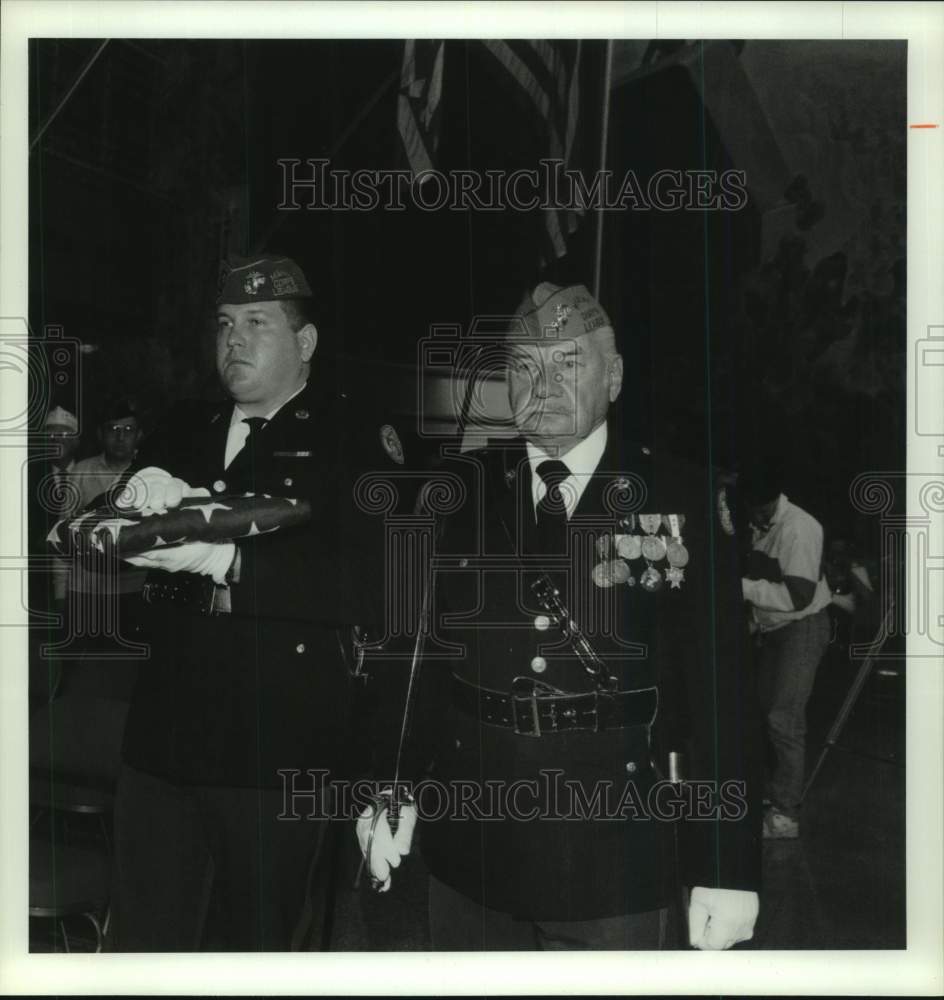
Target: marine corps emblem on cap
x=552, y=311
x=253, y=282
x=264, y=279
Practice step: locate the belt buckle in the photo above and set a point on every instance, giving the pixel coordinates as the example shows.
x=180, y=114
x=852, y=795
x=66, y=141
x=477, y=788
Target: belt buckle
x=603, y=705
x=524, y=706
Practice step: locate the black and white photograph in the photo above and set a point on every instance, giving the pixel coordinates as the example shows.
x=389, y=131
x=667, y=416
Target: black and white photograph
x=472, y=487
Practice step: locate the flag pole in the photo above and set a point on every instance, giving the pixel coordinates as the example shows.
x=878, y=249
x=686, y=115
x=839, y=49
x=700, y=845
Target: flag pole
x=604, y=140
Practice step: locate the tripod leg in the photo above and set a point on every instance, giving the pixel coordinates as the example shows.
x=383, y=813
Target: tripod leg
x=848, y=704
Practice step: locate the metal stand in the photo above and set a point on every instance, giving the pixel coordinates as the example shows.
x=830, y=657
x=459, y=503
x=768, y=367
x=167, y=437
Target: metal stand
x=832, y=737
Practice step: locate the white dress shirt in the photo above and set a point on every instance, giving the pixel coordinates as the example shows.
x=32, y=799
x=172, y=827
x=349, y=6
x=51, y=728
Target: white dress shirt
x=582, y=460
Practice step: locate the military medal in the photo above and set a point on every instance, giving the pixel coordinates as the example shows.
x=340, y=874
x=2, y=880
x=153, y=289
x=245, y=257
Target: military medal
x=650, y=523
x=628, y=546
x=673, y=523
x=619, y=571
x=601, y=575
x=676, y=553
x=653, y=548
x=675, y=576
x=651, y=579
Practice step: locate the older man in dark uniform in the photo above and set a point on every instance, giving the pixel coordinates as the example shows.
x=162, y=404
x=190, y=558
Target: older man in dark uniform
x=592, y=591
x=246, y=678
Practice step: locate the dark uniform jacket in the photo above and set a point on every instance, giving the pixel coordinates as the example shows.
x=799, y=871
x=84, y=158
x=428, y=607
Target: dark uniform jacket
x=231, y=699
x=585, y=835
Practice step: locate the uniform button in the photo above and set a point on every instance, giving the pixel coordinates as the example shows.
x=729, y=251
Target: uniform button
x=219, y=486
x=300, y=648
x=287, y=481
x=542, y=623
x=631, y=767
x=539, y=664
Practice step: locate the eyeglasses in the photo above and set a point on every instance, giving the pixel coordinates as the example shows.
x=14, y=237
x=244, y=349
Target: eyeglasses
x=120, y=428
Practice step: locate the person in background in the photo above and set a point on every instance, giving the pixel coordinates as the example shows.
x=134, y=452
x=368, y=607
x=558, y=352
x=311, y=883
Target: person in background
x=119, y=434
x=788, y=594
x=104, y=591
x=52, y=495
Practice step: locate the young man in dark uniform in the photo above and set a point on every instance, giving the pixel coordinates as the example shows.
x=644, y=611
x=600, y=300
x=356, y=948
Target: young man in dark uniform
x=593, y=592
x=246, y=677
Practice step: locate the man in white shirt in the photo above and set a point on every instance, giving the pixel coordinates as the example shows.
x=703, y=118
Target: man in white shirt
x=789, y=595
x=119, y=434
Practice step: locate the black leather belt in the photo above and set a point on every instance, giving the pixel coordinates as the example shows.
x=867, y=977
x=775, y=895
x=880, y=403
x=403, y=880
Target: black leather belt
x=198, y=594
x=535, y=709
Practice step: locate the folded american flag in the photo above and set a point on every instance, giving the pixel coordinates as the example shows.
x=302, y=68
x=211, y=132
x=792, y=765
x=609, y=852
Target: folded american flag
x=204, y=519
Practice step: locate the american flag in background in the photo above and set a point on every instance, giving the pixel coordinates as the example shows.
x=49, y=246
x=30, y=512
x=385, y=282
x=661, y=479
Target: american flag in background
x=418, y=106
x=546, y=76
x=548, y=73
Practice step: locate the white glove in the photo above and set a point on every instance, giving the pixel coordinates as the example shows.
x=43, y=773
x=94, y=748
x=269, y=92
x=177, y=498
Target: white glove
x=156, y=489
x=208, y=558
x=720, y=918
x=387, y=848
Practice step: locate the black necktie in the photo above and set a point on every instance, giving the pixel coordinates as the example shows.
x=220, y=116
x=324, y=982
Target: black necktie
x=552, y=510
x=255, y=425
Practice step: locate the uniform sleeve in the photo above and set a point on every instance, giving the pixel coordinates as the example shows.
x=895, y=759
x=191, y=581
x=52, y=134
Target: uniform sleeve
x=708, y=660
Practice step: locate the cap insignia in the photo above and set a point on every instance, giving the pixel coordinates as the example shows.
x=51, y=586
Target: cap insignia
x=284, y=283
x=561, y=312
x=254, y=281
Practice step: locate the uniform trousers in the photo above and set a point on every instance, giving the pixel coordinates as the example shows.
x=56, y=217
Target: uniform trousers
x=789, y=657
x=215, y=869
x=458, y=923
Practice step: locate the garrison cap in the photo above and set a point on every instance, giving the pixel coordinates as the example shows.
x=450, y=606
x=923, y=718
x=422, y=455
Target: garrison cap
x=264, y=279
x=61, y=417
x=552, y=312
